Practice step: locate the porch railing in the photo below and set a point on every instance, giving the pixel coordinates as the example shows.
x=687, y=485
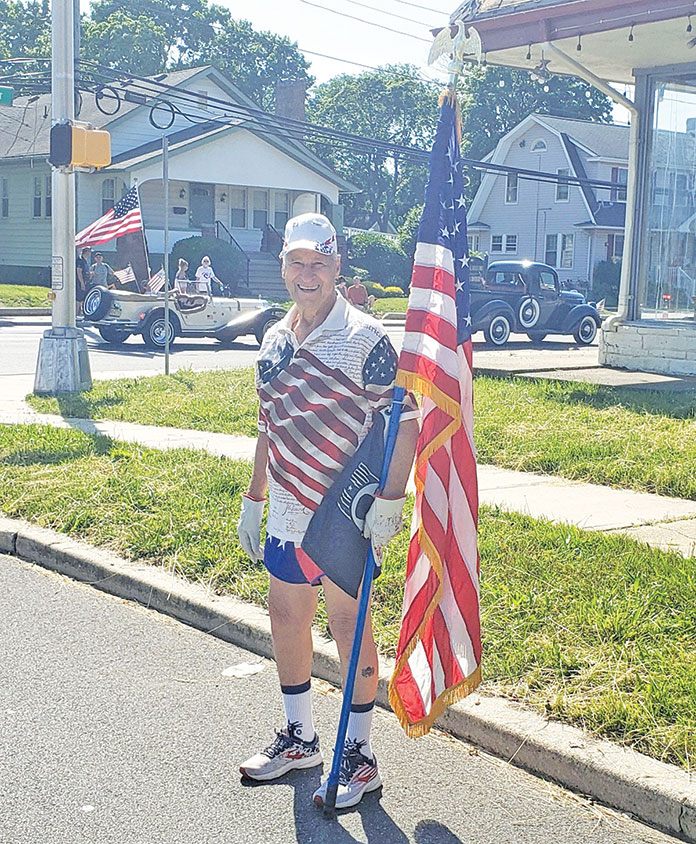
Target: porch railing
x=223, y=233
x=272, y=241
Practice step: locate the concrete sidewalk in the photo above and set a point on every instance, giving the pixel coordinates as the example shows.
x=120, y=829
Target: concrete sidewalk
x=668, y=523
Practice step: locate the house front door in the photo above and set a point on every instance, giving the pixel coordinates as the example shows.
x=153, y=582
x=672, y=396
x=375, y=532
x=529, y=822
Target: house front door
x=202, y=207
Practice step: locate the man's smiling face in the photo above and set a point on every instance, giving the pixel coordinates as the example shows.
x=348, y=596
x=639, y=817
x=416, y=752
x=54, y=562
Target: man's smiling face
x=310, y=277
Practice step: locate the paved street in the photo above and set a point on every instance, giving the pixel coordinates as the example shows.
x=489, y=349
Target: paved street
x=117, y=725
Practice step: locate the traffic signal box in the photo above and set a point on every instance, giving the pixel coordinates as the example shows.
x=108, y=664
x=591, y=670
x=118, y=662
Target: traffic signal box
x=78, y=145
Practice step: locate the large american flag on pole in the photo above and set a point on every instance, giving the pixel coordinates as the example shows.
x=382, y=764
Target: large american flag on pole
x=123, y=218
x=439, y=651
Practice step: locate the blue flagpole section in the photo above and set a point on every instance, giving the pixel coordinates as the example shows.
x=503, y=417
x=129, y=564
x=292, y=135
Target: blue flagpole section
x=332, y=786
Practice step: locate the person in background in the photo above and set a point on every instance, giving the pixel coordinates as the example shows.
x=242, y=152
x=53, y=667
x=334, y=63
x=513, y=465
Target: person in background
x=102, y=274
x=181, y=279
x=205, y=277
x=342, y=286
x=357, y=294
x=83, y=273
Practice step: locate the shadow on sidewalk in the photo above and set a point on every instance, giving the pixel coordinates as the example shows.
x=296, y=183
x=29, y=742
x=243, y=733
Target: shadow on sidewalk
x=378, y=826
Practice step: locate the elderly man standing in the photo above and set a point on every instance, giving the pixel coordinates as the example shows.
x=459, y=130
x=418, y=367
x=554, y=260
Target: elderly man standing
x=322, y=374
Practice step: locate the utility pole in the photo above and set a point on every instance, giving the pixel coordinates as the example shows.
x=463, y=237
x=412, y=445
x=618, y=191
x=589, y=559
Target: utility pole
x=165, y=263
x=63, y=362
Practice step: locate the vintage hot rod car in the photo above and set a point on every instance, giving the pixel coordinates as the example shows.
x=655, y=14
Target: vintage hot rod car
x=119, y=313
x=526, y=297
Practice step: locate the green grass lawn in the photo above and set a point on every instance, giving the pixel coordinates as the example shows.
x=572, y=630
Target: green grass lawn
x=390, y=304
x=23, y=296
x=595, y=630
x=642, y=440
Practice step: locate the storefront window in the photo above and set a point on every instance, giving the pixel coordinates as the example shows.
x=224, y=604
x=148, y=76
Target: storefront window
x=669, y=281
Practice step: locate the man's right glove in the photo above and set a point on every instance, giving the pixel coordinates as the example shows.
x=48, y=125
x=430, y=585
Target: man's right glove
x=382, y=522
x=249, y=526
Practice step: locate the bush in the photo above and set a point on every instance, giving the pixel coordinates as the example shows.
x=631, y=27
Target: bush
x=605, y=282
x=227, y=261
x=384, y=260
x=393, y=291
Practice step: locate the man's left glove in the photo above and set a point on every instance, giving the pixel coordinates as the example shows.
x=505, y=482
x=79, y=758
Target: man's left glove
x=249, y=526
x=383, y=521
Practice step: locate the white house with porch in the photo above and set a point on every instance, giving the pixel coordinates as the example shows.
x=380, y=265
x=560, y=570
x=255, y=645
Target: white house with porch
x=228, y=176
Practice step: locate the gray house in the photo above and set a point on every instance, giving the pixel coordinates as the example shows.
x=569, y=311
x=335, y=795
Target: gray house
x=228, y=176
x=569, y=227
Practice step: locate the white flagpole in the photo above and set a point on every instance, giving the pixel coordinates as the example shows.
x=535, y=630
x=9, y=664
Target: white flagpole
x=165, y=185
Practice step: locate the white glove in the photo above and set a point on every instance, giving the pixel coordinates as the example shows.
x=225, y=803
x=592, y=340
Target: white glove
x=383, y=521
x=249, y=526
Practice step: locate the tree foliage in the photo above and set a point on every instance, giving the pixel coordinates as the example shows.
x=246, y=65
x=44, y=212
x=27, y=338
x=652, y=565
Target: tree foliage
x=384, y=260
x=495, y=99
x=24, y=28
x=388, y=104
x=133, y=45
x=408, y=230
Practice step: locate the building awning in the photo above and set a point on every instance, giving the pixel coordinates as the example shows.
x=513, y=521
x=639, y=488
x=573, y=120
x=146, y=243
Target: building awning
x=614, y=37
x=478, y=226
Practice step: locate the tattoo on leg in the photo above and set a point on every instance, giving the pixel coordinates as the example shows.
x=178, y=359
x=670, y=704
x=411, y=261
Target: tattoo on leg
x=368, y=672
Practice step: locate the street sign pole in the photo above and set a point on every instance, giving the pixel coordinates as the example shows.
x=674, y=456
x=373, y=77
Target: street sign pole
x=165, y=186
x=63, y=362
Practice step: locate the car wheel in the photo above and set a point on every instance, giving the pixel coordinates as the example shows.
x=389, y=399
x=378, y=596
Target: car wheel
x=497, y=332
x=115, y=336
x=586, y=331
x=529, y=312
x=97, y=304
x=536, y=336
x=261, y=331
x=155, y=334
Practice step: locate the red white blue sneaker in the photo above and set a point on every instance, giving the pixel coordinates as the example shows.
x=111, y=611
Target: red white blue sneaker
x=358, y=776
x=287, y=752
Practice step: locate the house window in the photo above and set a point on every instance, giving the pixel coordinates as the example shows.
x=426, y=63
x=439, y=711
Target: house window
x=682, y=190
x=567, y=250
x=282, y=209
x=47, y=197
x=620, y=175
x=511, y=189
x=562, y=188
x=260, y=211
x=551, y=254
x=615, y=247
x=108, y=194
x=539, y=145
x=504, y=243
x=38, y=196
x=5, y=197
x=238, y=208
x=473, y=241
x=202, y=98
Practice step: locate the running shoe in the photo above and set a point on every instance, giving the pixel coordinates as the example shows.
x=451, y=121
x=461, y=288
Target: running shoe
x=358, y=776
x=285, y=753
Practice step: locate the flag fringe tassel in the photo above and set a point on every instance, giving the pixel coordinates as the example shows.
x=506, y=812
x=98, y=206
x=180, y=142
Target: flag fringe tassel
x=417, y=383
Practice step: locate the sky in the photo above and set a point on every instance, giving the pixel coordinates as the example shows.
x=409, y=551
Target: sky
x=335, y=35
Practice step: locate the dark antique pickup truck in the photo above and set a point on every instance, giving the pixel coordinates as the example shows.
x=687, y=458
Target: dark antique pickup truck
x=526, y=297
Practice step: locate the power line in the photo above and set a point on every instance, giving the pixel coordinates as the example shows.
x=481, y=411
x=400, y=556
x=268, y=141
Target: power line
x=383, y=12
x=425, y=8
x=424, y=79
x=361, y=20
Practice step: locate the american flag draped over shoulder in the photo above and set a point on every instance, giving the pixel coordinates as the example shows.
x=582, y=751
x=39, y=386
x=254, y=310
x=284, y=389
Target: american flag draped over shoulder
x=439, y=651
x=123, y=218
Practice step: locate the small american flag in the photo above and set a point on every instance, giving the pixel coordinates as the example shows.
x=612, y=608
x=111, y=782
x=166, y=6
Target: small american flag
x=125, y=276
x=156, y=282
x=439, y=651
x=123, y=218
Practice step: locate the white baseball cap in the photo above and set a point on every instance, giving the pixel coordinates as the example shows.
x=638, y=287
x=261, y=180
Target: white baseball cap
x=310, y=231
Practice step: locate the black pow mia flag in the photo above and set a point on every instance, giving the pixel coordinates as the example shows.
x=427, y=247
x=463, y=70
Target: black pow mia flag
x=334, y=539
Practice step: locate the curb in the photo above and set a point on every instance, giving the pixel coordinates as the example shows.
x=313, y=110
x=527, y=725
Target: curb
x=659, y=794
x=11, y=312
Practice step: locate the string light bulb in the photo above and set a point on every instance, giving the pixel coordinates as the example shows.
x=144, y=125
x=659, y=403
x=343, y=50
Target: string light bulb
x=689, y=27
x=578, y=46
x=529, y=50
x=630, y=34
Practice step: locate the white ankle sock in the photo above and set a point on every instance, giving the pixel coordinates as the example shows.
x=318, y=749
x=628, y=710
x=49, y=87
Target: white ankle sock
x=298, y=709
x=360, y=724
